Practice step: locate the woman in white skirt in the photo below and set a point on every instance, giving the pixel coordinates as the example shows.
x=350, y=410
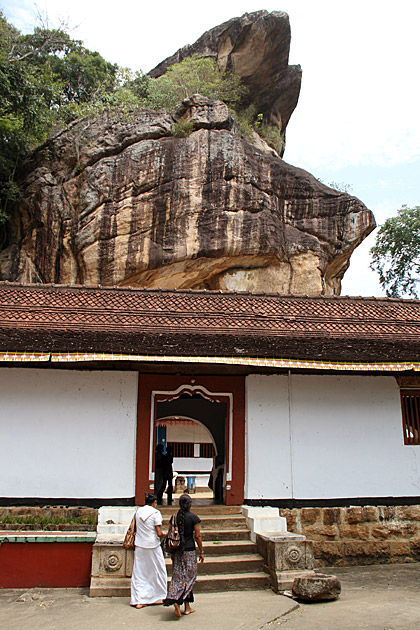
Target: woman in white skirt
x=149, y=578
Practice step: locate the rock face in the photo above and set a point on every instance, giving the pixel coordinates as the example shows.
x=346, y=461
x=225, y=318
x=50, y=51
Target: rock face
x=131, y=200
x=256, y=48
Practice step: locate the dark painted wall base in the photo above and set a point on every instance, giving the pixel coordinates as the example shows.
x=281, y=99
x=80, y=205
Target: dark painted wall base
x=43, y=501
x=354, y=501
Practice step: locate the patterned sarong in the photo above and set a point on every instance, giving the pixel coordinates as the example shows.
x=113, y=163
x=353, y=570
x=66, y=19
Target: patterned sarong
x=184, y=576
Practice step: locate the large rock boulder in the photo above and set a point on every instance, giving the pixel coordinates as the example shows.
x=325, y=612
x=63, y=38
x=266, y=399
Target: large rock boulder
x=121, y=201
x=181, y=200
x=256, y=48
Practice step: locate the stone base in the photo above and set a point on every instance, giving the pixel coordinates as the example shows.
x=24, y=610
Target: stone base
x=287, y=556
x=110, y=587
x=283, y=580
x=316, y=588
x=111, y=569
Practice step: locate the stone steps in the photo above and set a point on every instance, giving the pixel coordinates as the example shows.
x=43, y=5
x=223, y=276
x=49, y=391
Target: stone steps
x=120, y=587
x=231, y=558
x=225, y=534
x=229, y=564
x=206, y=510
x=231, y=582
x=225, y=547
x=214, y=522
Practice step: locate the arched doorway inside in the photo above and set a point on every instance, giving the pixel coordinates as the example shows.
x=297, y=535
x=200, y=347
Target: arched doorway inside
x=195, y=429
x=216, y=402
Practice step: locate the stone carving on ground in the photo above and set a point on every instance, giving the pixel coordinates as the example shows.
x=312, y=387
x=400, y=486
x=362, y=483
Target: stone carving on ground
x=316, y=588
x=121, y=200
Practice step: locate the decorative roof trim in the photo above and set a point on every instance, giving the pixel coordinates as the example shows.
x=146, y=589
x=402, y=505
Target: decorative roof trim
x=28, y=357
x=79, y=357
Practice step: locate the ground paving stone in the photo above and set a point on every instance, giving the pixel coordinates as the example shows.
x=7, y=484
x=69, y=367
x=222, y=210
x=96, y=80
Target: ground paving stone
x=383, y=597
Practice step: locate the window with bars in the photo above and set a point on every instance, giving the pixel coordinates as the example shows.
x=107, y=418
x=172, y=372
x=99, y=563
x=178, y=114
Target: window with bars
x=410, y=405
x=186, y=449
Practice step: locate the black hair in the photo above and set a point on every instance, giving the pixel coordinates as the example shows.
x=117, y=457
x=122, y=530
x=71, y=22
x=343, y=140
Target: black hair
x=184, y=506
x=150, y=499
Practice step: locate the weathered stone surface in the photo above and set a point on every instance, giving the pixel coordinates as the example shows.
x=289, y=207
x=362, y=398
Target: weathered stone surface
x=357, y=531
x=329, y=551
x=320, y=532
x=133, y=200
x=118, y=201
x=202, y=113
x=316, y=588
x=256, y=48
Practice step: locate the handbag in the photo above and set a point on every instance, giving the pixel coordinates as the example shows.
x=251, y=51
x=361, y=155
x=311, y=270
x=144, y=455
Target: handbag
x=130, y=535
x=173, y=538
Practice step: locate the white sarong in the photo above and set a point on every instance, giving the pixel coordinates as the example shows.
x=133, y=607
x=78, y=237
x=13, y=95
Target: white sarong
x=149, y=578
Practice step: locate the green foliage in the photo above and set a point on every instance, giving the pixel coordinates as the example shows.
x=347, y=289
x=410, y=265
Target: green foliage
x=45, y=80
x=245, y=121
x=191, y=76
x=44, y=522
x=182, y=128
x=272, y=135
x=396, y=254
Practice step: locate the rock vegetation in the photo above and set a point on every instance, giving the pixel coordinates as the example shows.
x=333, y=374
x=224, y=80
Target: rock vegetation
x=179, y=199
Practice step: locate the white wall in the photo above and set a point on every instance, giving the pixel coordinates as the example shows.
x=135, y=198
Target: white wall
x=188, y=433
x=190, y=464
x=327, y=437
x=67, y=433
x=268, y=467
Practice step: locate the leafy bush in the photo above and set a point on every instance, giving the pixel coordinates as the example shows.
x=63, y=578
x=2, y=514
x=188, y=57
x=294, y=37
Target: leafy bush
x=191, y=76
x=182, y=128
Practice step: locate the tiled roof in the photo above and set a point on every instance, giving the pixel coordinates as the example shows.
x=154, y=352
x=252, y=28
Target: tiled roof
x=51, y=318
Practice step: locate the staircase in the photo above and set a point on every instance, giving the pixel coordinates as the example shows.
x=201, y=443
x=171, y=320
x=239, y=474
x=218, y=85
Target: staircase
x=231, y=561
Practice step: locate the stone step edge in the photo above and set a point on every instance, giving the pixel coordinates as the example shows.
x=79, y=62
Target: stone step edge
x=250, y=557
x=228, y=583
x=118, y=540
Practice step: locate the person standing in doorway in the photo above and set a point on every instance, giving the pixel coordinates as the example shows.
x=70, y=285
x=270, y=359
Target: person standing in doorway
x=149, y=577
x=168, y=472
x=160, y=482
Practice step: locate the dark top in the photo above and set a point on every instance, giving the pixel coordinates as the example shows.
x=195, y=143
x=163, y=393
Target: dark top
x=189, y=521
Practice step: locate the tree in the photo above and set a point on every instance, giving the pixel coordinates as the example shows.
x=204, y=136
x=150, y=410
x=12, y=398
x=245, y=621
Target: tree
x=45, y=80
x=396, y=255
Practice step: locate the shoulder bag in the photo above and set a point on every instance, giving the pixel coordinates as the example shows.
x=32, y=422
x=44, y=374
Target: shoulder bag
x=130, y=535
x=173, y=539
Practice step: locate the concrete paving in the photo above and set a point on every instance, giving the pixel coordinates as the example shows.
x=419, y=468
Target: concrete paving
x=376, y=597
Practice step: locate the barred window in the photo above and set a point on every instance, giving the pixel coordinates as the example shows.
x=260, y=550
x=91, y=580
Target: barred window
x=186, y=449
x=410, y=405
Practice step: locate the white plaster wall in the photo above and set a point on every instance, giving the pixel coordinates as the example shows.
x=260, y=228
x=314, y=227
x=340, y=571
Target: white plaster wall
x=187, y=433
x=345, y=438
x=267, y=463
x=190, y=464
x=67, y=433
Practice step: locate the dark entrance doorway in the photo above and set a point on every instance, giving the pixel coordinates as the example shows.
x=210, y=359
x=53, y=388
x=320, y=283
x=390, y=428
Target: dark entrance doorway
x=212, y=415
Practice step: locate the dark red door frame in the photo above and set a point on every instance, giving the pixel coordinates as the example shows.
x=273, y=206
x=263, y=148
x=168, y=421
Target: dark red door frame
x=233, y=386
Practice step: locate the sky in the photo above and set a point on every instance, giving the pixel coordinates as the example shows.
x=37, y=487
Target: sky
x=357, y=119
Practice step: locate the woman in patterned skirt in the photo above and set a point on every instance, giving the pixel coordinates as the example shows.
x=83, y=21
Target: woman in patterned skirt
x=184, y=560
